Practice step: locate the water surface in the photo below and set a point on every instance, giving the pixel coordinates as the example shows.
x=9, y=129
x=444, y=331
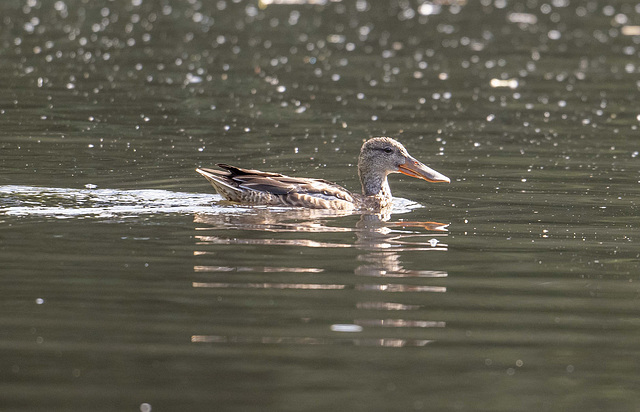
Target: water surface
x=128, y=284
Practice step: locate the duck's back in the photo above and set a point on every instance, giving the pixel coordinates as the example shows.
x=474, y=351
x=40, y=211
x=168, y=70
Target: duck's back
x=257, y=187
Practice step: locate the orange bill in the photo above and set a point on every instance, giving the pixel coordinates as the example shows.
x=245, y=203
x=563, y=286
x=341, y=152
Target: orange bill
x=414, y=168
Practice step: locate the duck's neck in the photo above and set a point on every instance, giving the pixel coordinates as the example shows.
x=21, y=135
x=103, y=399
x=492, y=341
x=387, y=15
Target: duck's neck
x=375, y=185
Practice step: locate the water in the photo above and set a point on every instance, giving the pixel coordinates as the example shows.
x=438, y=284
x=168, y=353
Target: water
x=128, y=284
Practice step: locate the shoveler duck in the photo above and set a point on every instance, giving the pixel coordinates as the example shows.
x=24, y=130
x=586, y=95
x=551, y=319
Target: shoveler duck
x=379, y=157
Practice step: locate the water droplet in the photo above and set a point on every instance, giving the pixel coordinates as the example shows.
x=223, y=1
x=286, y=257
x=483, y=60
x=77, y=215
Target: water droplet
x=428, y=9
x=192, y=79
x=341, y=327
x=554, y=34
x=510, y=83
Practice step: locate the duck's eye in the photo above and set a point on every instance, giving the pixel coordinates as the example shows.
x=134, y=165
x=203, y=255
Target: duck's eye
x=388, y=150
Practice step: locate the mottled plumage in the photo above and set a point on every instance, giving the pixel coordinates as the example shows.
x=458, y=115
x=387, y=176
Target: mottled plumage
x=378, y=158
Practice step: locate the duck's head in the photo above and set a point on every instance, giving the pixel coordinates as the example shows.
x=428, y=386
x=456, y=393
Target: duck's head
x=381, y=156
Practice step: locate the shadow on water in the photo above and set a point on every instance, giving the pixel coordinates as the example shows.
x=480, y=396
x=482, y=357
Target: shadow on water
x=379, y=270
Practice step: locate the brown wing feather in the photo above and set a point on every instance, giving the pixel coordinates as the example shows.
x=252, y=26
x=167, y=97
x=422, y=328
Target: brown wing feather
x=234, y=171
x=279, y=184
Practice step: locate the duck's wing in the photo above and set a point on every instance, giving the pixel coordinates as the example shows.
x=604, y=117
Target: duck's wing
x=293, y=191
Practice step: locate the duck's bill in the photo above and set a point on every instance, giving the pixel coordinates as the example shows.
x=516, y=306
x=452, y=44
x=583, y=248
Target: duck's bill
x=414, y=168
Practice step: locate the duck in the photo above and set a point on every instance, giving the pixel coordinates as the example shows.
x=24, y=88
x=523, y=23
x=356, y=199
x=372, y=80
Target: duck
x=379, y=157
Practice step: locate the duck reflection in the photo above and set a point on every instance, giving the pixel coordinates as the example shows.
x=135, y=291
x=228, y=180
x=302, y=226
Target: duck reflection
x=380, y=267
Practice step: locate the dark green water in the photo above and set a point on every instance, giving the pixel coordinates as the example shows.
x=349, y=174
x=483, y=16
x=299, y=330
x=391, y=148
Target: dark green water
x=126, y=284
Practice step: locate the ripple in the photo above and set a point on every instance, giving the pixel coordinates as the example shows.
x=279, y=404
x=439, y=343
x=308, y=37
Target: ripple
x=66, y=203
